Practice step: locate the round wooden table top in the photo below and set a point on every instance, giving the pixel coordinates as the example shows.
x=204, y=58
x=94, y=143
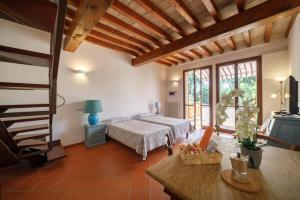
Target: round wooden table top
x=279, y=175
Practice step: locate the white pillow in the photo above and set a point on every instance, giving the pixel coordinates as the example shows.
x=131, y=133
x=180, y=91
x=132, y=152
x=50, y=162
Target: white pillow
x=141, y=115
x=115, y=120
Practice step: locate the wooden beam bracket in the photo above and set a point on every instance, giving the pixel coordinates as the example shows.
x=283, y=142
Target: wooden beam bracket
x=86, y=18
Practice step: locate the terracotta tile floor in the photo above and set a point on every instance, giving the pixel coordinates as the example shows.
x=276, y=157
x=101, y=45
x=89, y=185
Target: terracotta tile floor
x=109, y=171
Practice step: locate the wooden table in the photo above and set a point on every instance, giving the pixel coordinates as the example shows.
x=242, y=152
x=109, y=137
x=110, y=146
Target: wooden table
x=279, y=174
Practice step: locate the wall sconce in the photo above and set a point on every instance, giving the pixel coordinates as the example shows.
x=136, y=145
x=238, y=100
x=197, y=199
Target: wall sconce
x=175, y=82
x=80, y=71
x=79, y=74
x=279, y=79
x=274, y=95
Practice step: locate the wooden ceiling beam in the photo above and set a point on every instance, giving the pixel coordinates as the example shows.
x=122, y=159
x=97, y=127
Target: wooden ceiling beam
x=240, y=4
x=111, y=19
x=230, y=42
x=99, y=25
x=186, y=55
x=70, y=13
x=164, y=63
x=266, y=12
x=170, y=60
x=212, y=9
x=196, y=53
x=86, y=17
x=247, y=38
x=160, y=15
x=217, y=47
x=128, y=12
x=205, y=51
x=185, y=12
x=68, y=23
x=122, y=35
x=268, y=32
x=107, y=38
x=292, y=21
x=74, y=3
x=177, y=58
x=110, y=46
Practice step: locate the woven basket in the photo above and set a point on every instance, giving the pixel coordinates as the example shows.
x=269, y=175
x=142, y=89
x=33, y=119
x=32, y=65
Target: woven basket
x=201, y=158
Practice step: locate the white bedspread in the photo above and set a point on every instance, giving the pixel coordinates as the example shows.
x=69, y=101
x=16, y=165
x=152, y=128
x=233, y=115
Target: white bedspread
x=179, y=127
x=140, y=136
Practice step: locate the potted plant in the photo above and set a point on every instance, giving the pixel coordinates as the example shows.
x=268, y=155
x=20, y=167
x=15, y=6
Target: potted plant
x=246, y=125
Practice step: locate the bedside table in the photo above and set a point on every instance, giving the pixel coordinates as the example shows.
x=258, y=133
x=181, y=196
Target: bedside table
x=95, y=135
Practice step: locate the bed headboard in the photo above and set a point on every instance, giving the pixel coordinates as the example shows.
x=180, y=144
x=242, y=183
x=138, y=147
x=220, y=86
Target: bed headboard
x=173, y=109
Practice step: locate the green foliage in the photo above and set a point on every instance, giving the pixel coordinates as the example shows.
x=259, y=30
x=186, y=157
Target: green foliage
x=247, y=84
x=250, y=144
x=204, y=89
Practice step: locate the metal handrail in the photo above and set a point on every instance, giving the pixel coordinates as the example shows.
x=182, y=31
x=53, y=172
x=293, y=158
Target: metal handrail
x=64, y=101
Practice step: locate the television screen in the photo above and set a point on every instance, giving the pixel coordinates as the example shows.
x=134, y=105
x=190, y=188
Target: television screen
x=290, y=95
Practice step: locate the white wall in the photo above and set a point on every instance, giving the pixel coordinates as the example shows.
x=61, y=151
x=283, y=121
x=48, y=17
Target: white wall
x=274, y=64
x=294, y=49
x=123, y=89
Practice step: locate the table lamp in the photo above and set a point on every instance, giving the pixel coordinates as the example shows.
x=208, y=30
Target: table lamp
x=157, y=106
x=93, y=107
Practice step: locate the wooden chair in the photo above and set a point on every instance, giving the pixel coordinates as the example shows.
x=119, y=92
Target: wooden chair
x=282, y=143
x=169, y=145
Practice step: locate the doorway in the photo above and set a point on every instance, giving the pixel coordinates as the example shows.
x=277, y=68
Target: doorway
x=242, y=74
x=198, y=96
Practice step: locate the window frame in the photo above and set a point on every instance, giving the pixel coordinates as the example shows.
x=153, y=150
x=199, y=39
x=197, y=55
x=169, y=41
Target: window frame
x=209, y=67
x=259, y=84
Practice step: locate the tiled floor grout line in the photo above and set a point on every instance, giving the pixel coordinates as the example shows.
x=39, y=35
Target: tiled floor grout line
x=135, y=168
x=61, y=178
x=129, y=193
x=19, y=184
x=27, y=190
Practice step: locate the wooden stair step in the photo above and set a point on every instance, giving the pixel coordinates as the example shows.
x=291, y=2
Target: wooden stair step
x=23, y=86
x=39, y=149
x=21, y=56
x=31, y=143
x=24, y=119
x=24, y=106
x=12, y=120
x=23, y=129
x=19, y=138
x=20, y=114
x=57, y=152
x=39, y=14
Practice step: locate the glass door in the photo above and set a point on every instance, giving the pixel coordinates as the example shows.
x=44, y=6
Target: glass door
x=243, y=74
x=226, y=84
x=189, y=96
x=198, y=97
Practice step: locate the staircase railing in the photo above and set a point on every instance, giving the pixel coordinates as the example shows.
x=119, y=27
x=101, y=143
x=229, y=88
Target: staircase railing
x=56, y=43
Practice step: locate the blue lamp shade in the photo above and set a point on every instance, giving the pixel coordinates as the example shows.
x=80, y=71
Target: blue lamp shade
x=93, y=107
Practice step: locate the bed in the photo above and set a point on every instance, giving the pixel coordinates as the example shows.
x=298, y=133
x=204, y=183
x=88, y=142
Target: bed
x=179, y=127
x=139, y=135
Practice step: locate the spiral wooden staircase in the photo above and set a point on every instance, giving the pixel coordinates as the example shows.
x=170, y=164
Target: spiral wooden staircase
x=33, y=142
